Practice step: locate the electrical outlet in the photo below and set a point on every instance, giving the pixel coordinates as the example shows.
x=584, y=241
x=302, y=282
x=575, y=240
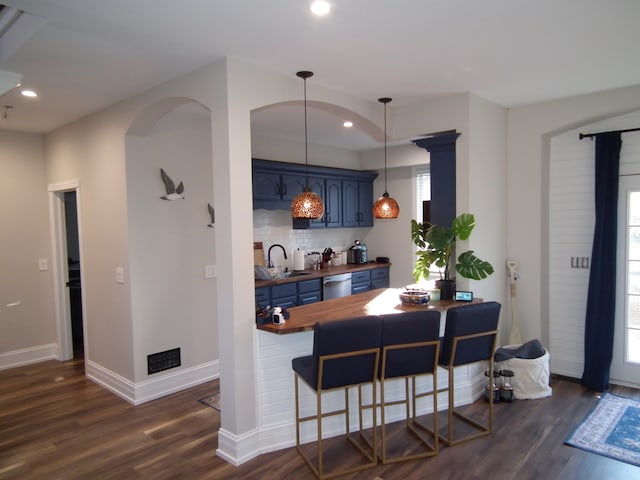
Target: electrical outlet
x=120, y=275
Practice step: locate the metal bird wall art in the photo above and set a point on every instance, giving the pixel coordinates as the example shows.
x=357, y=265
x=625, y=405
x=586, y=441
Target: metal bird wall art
x=213, y=215
x=173, y=192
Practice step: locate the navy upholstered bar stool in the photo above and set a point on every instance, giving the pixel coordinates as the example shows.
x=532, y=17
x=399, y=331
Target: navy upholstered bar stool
x=410, y=348
x=345, y=354
x=469, y=337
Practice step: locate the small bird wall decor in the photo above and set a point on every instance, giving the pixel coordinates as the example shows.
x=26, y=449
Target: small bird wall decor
x=173, y=192
x=213, y=215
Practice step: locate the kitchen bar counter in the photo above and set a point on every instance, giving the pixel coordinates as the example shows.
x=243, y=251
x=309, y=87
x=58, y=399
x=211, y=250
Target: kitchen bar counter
x=274, y=376
x=323, y=272
x=375, y=302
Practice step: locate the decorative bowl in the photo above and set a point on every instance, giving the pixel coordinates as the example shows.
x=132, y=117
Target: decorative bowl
x=414, y=297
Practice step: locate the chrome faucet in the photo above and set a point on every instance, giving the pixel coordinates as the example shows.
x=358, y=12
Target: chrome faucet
x=269, y=253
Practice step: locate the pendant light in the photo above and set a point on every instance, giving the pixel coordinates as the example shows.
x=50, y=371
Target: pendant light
x=385, y=206
x=307, y=204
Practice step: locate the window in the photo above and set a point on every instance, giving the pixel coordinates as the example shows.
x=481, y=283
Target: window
x=422, y=175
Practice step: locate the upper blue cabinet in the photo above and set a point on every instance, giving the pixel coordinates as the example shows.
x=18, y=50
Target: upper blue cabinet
x=357, y=203
x=347, y=194
x=274, y=190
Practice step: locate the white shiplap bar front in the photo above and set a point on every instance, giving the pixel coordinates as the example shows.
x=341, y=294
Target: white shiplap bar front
x=276, y=396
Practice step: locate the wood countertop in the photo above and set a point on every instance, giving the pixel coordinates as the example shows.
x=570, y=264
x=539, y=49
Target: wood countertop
x=323, y=272
x=375, y=302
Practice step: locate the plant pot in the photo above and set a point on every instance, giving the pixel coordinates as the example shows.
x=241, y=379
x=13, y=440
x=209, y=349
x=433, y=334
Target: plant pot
x=447, y=289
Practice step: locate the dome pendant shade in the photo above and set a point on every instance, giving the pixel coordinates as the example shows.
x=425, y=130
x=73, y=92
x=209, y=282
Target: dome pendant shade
x=386, y=207
x=307, y=205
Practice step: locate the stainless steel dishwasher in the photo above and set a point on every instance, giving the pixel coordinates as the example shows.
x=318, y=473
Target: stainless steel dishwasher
x=335, y=286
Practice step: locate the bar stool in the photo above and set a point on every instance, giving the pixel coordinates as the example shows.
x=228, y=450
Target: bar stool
x=410, y=348
x=345, y=354
x=470, y=336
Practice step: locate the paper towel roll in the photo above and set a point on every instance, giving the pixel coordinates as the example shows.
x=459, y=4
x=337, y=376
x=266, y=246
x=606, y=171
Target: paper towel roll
x=298, y=260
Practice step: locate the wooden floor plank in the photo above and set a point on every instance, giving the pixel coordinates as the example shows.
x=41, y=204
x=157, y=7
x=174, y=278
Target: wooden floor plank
x=57, y=424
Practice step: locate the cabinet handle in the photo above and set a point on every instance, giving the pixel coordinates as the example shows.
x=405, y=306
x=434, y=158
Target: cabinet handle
x=284, y=189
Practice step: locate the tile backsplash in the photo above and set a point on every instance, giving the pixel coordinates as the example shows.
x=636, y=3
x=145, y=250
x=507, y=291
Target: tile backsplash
x=274, y=226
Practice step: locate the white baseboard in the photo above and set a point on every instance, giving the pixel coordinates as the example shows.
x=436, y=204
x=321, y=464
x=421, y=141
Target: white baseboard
x=26, y=356
x=137, y=393
x=569, y=367
x=238, y=449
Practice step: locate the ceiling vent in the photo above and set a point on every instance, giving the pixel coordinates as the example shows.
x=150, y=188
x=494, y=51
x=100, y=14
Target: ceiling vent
x=16, y=27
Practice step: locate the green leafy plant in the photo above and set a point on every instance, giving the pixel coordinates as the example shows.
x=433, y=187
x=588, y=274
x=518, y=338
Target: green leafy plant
x=436, y=246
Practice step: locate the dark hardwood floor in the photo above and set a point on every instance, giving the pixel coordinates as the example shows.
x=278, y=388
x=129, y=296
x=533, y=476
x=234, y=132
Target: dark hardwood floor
x=56, y=424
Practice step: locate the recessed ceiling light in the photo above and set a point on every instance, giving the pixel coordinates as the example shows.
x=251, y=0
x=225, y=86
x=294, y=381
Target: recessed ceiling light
x=347, y=124
x=320, y=7
x=29, y=93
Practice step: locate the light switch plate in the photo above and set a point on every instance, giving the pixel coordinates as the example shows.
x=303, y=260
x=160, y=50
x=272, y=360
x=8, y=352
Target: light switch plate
x=209, y=271
x=42, y=265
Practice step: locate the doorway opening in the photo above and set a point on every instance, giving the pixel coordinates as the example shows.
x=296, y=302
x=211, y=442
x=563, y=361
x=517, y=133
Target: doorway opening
x=67, y=269
x=74, y=284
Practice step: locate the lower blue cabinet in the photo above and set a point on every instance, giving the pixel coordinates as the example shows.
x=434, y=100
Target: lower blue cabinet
x=291, y=294
x=263, y=297
x=380, y=278
x=360, y=281
x=309, y=291
x=304, y=292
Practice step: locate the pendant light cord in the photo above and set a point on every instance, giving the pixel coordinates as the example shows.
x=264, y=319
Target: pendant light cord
x=385, y=147
x=384, y=101
x=306, y=154
x=304, y=75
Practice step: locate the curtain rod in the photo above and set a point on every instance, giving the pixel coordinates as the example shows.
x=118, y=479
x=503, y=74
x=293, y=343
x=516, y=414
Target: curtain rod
x=590, y=135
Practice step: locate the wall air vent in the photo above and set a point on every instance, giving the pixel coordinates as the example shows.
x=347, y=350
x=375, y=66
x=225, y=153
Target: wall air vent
x=157, y=362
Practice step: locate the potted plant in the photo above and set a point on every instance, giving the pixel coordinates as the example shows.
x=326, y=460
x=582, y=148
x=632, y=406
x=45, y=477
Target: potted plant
x=436, y=246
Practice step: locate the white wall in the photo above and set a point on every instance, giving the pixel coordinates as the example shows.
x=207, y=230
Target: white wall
x=280, y=150
x=28, y=329
x=482, y=190
x=529, y=131
x=173, y=304
x=392, y=238
x=571, y=224
x=92, y=150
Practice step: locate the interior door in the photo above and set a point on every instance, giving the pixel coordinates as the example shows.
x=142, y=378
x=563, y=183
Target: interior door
x=625, y=365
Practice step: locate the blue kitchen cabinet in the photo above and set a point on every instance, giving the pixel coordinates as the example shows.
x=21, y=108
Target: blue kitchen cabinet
x=290, y=294
x=273, y=189
x=347, y=194
x=357, y=202
x=360, y=281
x=380, y=278
x=292, y=185
x=263, y=296
x=330, y=190
x=333, y=199
x=284, y=295
x=266, y=186
x=309, y=291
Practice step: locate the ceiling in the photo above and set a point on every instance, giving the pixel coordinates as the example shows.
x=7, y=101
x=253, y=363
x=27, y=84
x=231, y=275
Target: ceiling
x=84, y=55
